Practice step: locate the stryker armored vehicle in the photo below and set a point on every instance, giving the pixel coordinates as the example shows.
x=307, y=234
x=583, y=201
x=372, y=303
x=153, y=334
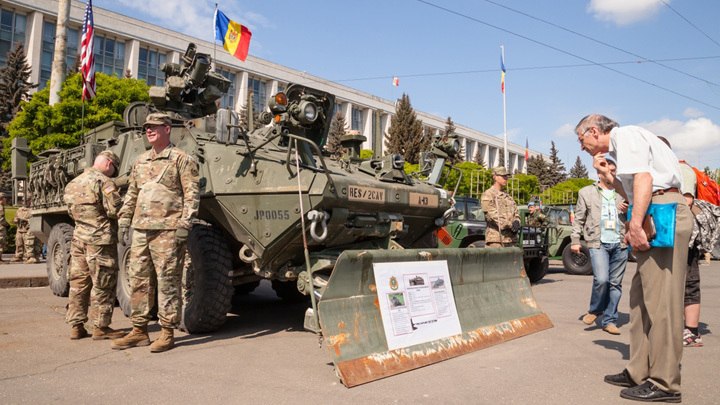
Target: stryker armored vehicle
x=273, y=206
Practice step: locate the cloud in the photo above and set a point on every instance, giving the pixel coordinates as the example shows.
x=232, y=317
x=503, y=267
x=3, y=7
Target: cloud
x=194, y=18
x=624, y=12
x=565, y=131
x=692, y=113
x=694, y=140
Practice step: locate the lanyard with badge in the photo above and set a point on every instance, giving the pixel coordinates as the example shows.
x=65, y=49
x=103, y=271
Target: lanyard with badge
x=608, y=211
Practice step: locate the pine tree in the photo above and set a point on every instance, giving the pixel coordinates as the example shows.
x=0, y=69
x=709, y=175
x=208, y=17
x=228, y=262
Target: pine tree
x=14, y=83
x=579, y=171
x=556, y=168
x=337, y=129
x=405, y=136
x=501, y=158
x=242, y=117
x=478, y=157
x=538, y=167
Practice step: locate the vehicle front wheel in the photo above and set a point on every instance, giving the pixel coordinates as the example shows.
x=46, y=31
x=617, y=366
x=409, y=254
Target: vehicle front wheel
x=536, y=268
x=208, y=286
x=577, y=263
x=58, y=263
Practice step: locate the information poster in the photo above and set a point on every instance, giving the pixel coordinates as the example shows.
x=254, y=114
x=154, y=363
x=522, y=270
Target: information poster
x=416, y=302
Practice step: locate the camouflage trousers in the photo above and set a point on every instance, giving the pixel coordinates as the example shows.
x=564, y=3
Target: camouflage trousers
x=27, y=246
x=93, y=277
x=153, y=254
x=3, y=240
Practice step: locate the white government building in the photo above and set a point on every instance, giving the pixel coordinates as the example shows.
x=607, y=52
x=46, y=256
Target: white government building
x=123, y=43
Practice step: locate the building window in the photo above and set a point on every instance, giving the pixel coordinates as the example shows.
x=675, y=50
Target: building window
x=109, y=56
x=228, y=99
x=12, y=30
x=281, y=88
x=468, y=151
x=149, y=63
x=257, y=88
x=357, y=120
x=48, y=50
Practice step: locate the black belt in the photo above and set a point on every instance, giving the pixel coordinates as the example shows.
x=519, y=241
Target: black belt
x=667, y=190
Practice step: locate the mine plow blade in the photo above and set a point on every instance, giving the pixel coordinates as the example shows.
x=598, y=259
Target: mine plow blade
x=389, y=311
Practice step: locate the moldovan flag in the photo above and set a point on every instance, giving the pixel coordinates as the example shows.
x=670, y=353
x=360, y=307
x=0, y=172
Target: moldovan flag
x=235, y=37
x=502, y=75
x=396, y=81
x=527, y=151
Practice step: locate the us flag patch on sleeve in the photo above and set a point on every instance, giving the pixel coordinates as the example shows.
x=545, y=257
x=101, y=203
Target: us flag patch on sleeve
x=109, y=189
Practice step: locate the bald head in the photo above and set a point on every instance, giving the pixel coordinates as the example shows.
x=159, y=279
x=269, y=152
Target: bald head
x=105, y=165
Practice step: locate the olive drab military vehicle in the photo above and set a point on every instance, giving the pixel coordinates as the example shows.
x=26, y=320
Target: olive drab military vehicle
x=274, y=206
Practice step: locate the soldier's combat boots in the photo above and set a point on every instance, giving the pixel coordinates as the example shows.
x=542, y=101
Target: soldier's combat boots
x=31, y=260
x=78, y=331
x=106, y=332
x=137, y=337
x=16, y=259
x=166, y=341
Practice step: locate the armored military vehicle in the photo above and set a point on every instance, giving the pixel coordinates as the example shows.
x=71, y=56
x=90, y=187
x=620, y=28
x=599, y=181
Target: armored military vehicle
x=275, y=207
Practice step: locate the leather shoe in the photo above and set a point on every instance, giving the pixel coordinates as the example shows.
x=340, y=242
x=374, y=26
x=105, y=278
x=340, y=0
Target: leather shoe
x=612, y=329
x=650, y=392
x=622, y=380
x=589, y=318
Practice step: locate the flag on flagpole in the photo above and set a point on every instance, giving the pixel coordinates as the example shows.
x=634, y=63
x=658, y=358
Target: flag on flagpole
x=502, y=75
x=235, y=37
x=87, y=55
x=396, y=81
x=527, y=151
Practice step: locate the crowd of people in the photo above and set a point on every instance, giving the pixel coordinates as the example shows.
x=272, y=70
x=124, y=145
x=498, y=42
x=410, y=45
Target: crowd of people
x=641, y=187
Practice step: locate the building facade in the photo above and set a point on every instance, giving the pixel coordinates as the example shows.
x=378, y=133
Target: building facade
x=125, y=45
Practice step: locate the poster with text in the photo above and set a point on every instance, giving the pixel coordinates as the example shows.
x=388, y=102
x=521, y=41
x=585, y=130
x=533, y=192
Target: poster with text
x=416, y=302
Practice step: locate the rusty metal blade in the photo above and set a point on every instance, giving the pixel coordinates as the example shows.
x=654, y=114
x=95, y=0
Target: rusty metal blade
x=492, y=296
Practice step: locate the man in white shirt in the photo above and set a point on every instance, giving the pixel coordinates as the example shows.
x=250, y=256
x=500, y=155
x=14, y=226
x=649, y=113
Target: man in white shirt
x=647, y=172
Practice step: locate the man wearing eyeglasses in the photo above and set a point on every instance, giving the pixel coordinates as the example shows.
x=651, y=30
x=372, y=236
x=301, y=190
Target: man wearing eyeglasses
x=93, y=203
x=161, y=201
x=647, y=172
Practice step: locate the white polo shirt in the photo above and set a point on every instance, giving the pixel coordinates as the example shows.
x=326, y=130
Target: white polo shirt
x=638, y=150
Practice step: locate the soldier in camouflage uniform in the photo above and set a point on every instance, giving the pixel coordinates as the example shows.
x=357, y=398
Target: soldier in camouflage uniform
x=26, y=245
x=3, y=227
x=161, y=201
x=535, y=217
x=501, y=214
x=93, y=203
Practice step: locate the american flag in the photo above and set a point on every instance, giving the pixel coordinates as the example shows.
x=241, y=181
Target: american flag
x=86, y=53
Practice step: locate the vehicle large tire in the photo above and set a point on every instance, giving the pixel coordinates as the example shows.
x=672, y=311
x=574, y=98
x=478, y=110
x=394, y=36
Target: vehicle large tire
x=477, y=244
x=58, y=261
x=208, y=286
x=536, y=268
x=288, y=291
x=122, y=290
x=578, y=264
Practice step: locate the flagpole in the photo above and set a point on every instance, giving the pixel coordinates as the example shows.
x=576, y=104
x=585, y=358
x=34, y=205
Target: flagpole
x=505, y=145
x=215, y=39
x=82, y=120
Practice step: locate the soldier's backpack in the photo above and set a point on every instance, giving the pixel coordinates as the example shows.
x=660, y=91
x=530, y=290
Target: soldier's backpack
x=707, y=189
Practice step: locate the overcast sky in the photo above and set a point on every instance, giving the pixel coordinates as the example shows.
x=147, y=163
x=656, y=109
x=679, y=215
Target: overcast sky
x=652, y=63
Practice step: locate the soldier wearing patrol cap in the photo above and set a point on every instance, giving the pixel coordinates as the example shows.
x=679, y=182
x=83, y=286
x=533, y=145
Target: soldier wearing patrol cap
x=161, y=201
x=3, y=227
x=501, y=214
x=93, y=203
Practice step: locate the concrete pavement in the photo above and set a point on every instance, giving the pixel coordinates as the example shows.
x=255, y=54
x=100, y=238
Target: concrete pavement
x=263, y=355
x=14, y=275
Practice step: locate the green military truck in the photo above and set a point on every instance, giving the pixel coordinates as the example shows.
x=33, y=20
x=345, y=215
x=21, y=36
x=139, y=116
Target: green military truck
x=559, y=226
x=467, y=225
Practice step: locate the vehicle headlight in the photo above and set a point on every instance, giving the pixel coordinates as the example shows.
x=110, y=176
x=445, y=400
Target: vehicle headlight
x=538, y=238
x=309, y=113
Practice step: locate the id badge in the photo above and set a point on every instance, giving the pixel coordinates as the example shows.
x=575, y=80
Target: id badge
x=609, y=224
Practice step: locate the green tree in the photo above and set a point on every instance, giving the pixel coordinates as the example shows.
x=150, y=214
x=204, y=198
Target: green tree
x=565, y=192
x=556, y=168
x=59, y=126
x=538, y=167
x=15, y=83
x=579, y=171
x=405, y=136
x=501, y=157
x=337, y=129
